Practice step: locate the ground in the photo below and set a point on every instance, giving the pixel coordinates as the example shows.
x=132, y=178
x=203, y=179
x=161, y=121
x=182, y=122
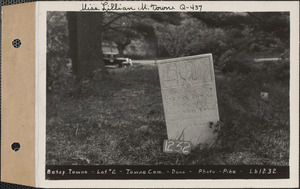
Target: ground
x=120, y=121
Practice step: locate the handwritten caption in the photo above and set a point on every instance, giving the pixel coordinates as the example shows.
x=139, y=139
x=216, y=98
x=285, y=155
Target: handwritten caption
x=163, y=171
x=144, y=6
x=67, y=172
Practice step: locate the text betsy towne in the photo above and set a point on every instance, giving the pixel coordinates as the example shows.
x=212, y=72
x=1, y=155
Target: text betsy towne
x=106, y=6
x=164, y=172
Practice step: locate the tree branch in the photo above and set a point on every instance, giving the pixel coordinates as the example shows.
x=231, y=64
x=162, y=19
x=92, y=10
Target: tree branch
x=116, y=18
x=51, y=15
x=256, y=17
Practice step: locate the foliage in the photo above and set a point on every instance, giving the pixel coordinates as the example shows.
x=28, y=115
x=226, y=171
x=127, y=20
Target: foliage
x=121, y=31
x=140, y=49
x=268, y=22
x=57, y=34
x=244, y=36
x=230, y=37
x=189, y=38
x=125, y=28
x=57, y=51
x=174, y=39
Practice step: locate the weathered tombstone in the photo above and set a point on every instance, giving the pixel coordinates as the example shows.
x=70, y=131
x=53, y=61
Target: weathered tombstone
x=189, y=99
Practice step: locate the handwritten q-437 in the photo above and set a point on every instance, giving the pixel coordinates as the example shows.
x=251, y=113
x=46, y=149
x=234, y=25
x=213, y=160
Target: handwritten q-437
x=191, y=7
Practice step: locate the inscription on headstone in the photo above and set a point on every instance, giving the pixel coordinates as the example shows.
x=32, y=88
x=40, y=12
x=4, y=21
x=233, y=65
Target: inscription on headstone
x=189, y=99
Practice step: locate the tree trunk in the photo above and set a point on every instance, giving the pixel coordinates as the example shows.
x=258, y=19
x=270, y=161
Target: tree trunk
x=72, y=27
x=121, y=49
x=85, y=35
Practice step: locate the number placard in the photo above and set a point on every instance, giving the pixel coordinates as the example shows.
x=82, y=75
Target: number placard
x=177, y=146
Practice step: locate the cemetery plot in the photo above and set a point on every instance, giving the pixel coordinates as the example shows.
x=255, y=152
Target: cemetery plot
x=122, y=116
x=120, y=121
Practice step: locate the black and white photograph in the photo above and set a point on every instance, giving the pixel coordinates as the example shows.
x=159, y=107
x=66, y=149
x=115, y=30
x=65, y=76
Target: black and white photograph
x=150, y=94
x=168, y=89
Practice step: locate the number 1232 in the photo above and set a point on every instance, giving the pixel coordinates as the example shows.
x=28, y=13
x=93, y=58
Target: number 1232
x=176, y=146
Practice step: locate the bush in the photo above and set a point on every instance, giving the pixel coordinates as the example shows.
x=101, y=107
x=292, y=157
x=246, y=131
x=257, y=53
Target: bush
x=59, y=75
x=282, y=71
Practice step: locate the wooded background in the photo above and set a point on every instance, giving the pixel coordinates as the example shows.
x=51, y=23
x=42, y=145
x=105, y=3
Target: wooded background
x=230, y=37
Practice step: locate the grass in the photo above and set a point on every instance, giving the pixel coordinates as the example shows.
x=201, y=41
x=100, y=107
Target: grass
x=120, y=121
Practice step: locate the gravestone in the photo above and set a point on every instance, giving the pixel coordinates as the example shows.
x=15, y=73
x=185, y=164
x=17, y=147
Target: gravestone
x=189, y=99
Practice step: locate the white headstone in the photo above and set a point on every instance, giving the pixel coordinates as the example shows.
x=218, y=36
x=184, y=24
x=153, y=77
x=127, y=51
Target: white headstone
x=189, y=99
